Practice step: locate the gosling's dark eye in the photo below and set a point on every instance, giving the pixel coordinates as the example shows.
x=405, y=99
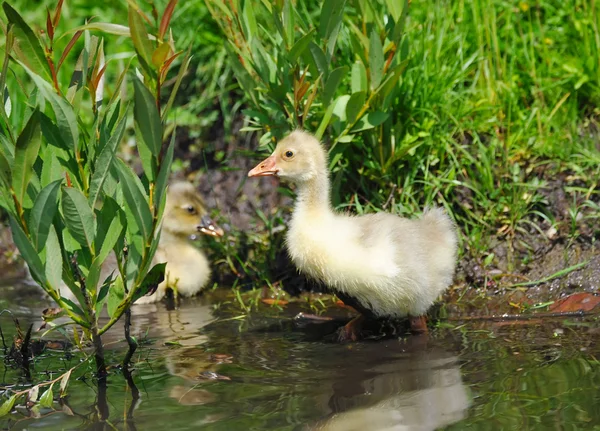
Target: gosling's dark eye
x=191, y=209
x=289, y=154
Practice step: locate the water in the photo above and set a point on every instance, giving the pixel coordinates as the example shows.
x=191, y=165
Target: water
x=214, y=369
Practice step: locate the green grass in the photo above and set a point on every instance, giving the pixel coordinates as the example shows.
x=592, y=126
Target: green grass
x=500, y=92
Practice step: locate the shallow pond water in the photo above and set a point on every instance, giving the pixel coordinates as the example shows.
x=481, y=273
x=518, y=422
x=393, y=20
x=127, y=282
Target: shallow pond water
x=206, y=367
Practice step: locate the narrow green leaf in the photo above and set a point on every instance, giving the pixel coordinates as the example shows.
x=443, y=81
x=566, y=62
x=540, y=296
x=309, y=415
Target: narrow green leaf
x=116, y=294
x=300, y=46
x=79, y=218
x=8, y=148
x=108, y=227
x=404, y=49
x=359, y=77
x=222, y=7
x=320, y=59
x=65, y=116
x=27, y=252
x=243, y=77
x=288, y=20
x=390, y=83
x=333, y=82
x=400, y=22
x=47, y=399
x=51, y=166
x=331, y=17
x=139, y=36
x=249, y=20
x=28, y=46
x=91, y=282
x=149, y=161
x=339, y=106
x=106, y=27
x=104, y=162
x=355, y=104
x=154, y=277
x=325, y=121
x=135, y=247
x=5, y=174
x=182, y=71
x=146, y=117
x=42, y=213
x=7, y=405
x=394, y=7
x=163, y=175
x=26, y=152
x=51, y=133
x=370, y=121
x=74, y=308
x=53, y=259
x=110, y=239
x=103, y=294
x=135, y=198
x=375, y=59
x=278, y=23
x=332, y=39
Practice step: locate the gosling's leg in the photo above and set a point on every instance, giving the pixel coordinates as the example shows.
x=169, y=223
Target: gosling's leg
x=418, y=324
x=351, y=331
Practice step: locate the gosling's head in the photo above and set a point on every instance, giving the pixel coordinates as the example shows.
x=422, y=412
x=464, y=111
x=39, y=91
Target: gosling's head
x=186, y=214
x=299, y=157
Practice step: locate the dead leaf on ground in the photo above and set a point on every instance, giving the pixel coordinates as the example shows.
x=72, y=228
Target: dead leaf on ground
x=340, y=303
x=517, y=322
x=274, y=301
x=582, y=301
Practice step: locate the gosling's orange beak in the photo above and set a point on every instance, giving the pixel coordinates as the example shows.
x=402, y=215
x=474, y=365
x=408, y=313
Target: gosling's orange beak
x=209, y=227
x=265, y=168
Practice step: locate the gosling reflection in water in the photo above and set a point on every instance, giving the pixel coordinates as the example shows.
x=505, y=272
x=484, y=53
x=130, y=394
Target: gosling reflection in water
x=420, y=390
x=188, y=360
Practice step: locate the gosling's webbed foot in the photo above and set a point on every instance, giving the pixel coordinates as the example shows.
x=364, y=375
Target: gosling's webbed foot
x=418, y=324
x=351, y=330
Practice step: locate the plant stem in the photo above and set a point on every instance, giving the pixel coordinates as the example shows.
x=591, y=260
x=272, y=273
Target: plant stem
x=130, y=341
x=100, y=372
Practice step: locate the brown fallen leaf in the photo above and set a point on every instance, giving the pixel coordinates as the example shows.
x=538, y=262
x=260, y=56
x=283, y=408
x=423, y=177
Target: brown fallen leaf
x=274, y=301
x=582, y=301
x=341, y=304
x=516, y=323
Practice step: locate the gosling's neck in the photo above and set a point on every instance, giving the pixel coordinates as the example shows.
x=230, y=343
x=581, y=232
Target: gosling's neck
x=168, y=238
x=314, y=195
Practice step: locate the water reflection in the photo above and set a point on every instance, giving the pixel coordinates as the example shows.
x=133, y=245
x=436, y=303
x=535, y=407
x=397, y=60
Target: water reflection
x=418, y=387
x=395, y=384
